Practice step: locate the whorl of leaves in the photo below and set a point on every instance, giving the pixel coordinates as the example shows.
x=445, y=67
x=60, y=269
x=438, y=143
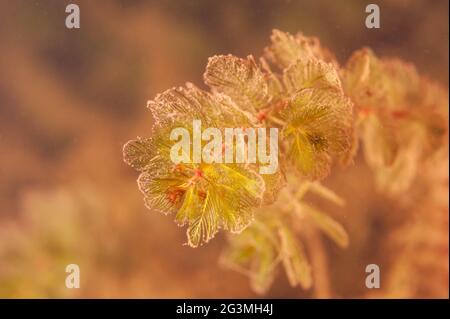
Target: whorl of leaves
x=299, y=88
x=402, y=117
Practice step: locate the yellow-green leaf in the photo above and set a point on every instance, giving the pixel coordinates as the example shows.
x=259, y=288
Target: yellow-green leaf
x=240, y=79
x=310, y=73
x=286, y=49
x=296, y=265
x=328, y=225
x=318, y=127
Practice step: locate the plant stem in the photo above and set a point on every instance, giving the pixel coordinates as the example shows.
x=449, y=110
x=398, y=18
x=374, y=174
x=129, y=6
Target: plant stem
x=319, y=262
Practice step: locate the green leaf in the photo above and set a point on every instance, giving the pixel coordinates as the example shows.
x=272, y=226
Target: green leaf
x=328, y=225
x=275, y=86
x=205, y=197
x=185, y=104
x=203, y=220
x=326, y=193
x=237, y=191
x=382, y=83
x=138, y=153
x=363, y=79
x=163, y=193
x=286, y=49
x=399, y=176
x=310, y=162
x=296, y=265
x=380, y=146
x=273, y=184
x=254, y=253
x=224, y=196
x=319, y=126
x=310, y=74
x=240, y=79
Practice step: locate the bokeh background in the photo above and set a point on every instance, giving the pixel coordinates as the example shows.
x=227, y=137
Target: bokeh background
x=70, y=99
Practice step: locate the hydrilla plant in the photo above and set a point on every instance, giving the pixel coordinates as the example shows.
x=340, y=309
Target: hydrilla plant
x=321, y=111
